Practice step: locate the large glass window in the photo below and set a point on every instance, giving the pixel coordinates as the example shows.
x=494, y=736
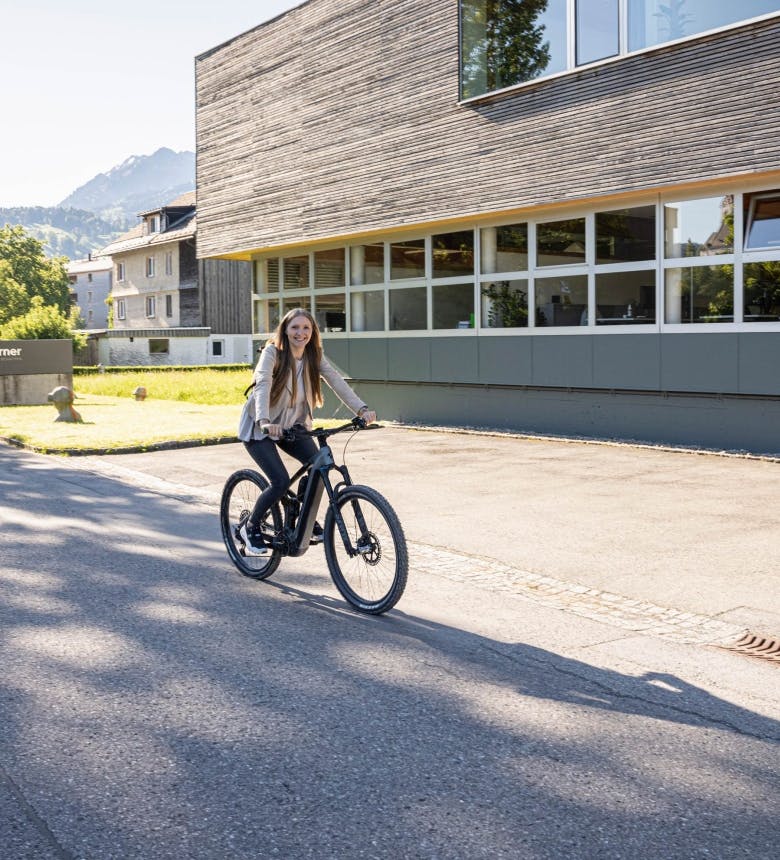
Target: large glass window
x=504, y=248
x=266, y=316
x=761, y=291
x=762, y=217
x=509, y=42
x=453, y=305
x=296, y=272
x=368, y=310
x=598, y=31
x=652, y=22
x=407, y=259
x=625, y=298
x=287, y=304
x=266, y=276
x=562, y=301
x=408, y=309
x=453, y=254
x=329, y=269
x=272, y=276
x=367, y=264
x=625, y=235
x=669, y=263
x=699, y=228
x=560, y=242
x=505, y=304
x=331, y=312
x=700, y=294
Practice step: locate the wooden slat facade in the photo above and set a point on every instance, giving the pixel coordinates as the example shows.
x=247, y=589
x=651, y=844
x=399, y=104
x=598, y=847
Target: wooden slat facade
x=226, y=296
x=341, y=119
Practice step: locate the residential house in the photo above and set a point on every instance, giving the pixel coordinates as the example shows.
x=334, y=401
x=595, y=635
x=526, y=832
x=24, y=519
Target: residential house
x=90, y=287
x=170, y=308
x=558, y=217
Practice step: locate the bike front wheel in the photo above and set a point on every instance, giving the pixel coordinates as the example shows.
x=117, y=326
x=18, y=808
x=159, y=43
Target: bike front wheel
x=371, y=571
x=239, y=495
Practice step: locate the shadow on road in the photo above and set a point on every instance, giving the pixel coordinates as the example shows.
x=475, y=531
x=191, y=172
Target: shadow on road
x=156, y=703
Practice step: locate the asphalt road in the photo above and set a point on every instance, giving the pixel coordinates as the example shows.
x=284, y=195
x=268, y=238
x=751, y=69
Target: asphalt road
x=155, y=704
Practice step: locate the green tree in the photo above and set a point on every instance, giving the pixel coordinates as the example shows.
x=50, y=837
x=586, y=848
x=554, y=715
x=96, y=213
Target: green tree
x=29, y=267
x=14, y=300
x=42, y=322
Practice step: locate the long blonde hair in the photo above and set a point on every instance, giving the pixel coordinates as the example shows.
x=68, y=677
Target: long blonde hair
x=285, y=363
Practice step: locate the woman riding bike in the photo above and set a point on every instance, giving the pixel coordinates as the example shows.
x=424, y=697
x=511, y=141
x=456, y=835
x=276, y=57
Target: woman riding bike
x=286, y=392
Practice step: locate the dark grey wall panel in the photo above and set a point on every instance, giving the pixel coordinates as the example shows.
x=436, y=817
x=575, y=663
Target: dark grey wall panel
x=409, y=359
x=759, y=363
x=627, y=361
x=728, y=423
x=342, y=118
x=337, y=350
x=566, y=360
x=454, y=359
x=506, y=360
x=700, y=362
x=368, y=358
x=715, y=363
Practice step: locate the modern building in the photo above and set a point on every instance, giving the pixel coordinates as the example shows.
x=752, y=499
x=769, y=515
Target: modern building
x=547, y=215
x=167, y=306
x=90, y=287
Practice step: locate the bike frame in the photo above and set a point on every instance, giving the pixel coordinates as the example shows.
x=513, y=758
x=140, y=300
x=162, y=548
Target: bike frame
x=295, y=540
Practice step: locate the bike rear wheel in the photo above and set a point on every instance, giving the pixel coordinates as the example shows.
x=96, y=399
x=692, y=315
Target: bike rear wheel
x=239, y=495
x=373, y=579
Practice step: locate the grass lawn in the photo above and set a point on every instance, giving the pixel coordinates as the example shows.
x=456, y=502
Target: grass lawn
x=113, y=424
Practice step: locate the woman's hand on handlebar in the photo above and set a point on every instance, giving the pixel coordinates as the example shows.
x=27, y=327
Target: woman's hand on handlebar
x=273, y=430
x=367, y=415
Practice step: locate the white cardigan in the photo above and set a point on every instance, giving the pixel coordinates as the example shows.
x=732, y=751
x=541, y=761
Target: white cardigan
x=259, y=410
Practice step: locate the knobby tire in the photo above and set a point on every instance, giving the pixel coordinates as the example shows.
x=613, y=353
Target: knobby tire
x=374, y=580
x=239, y=495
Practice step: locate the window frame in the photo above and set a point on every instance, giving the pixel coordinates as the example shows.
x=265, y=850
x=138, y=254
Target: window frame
x=654, y=267
x=571, y=48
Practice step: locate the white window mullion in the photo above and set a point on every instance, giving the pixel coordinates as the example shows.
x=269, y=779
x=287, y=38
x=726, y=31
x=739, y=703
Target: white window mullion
x=623, y=26
x=590, y=261
x=739, y=244
x=531, y=274
x=571, y=31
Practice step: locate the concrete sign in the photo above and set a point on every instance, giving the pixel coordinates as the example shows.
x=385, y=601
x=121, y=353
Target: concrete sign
x=30, y=369
x=36, y=356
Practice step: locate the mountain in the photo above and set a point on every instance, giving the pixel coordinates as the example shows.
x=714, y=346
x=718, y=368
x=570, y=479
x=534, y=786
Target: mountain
x=102, y=209
x=71, y=233
x=138, y=184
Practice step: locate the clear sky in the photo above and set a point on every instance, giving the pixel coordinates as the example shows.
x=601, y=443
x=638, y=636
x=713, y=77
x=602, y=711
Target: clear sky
x=88, y=83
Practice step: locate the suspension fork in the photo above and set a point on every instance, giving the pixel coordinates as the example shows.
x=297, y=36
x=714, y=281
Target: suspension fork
x=333, y=494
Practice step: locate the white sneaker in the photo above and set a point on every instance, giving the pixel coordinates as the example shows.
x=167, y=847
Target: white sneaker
x=253, y=542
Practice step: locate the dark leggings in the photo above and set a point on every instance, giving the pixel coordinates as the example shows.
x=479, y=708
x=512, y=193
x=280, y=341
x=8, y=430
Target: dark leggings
x=264, y=453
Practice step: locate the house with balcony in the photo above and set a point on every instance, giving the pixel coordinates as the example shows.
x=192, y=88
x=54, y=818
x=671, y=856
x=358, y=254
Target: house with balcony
x=558, y=217
x=167, y=306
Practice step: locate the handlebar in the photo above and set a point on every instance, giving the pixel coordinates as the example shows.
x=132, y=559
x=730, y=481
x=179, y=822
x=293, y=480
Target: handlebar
x=297, y=430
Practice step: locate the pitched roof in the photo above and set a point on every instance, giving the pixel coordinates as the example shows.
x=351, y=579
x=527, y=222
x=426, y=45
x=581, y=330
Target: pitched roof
x=186, y=199
x=182, y=226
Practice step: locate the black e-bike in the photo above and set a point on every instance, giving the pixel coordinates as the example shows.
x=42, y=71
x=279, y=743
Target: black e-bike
x=364, y=542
